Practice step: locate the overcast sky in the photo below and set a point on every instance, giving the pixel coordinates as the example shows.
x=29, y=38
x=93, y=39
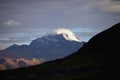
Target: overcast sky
x=21, y=21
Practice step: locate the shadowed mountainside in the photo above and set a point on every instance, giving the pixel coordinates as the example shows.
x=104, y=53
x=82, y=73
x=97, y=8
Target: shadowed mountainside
x=96, y=60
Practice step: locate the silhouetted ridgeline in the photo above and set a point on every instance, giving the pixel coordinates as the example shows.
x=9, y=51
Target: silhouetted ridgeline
x=96, y=60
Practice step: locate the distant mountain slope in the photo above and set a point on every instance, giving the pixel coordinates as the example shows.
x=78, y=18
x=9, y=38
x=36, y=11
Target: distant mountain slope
x=47, y=48
x=9, y=63
x=96, y=60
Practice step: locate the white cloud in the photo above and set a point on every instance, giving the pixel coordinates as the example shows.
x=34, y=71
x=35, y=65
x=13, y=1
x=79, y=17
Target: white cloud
x=11, y=23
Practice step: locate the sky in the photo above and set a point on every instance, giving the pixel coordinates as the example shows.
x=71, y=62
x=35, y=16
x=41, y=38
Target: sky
x=21, y=21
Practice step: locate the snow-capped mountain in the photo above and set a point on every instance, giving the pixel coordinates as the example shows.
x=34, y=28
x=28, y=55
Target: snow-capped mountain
x=54, y=47
x=47, y=48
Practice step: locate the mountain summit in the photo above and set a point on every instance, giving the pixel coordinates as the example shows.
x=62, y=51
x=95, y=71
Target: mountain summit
x=68, y=35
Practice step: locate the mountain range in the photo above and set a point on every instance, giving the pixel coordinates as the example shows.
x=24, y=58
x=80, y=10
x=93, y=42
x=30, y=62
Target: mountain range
x=46, y=48
x=98, y=59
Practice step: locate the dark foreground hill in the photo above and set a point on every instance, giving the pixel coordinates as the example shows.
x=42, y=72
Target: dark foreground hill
x=96, y=60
